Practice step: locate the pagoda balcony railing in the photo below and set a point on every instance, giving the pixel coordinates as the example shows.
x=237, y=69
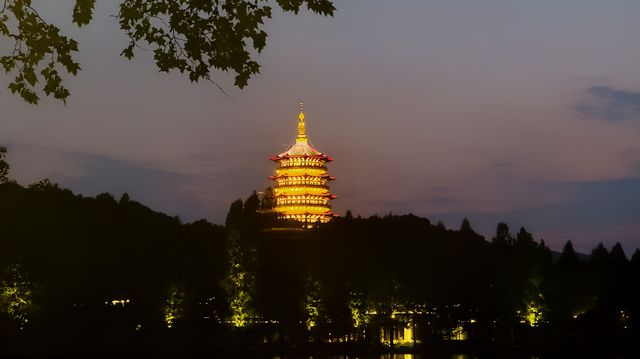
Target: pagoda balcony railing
x=313, y=181
x=287, y=201
x=291, y=187
x=303, y=167
x=317, y=209
x=318, y=163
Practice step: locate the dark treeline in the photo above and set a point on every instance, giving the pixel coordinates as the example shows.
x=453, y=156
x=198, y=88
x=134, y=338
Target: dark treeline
x=110, y=276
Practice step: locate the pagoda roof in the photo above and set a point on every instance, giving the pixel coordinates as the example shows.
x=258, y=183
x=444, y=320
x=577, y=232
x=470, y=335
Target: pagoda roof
x=288, y=155
x=301, y=147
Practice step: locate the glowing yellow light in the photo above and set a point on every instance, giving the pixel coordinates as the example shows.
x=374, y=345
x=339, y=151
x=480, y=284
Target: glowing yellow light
x=458, y=333
x=15, y=296
x=532, y=314
x=301, y=189
x=173, y=307
x=358, y=311
x=312, y=303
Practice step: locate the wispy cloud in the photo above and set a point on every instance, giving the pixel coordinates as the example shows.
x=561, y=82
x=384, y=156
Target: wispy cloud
x=610, y=104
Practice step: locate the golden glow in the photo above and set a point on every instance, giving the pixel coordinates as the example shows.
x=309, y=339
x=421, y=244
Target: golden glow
x=121, y=302
x=301, y=128
x=305, y=199
x=240, y=284
x=533, y=314
x=312, y=303
x=301, y=180
x=300, y=171
x=532, y=309
x=301, y=161
x=358, y=310
x=16, y=296
x=301, y=189
x=302, y=209
x=402, y=335
x=174, y=306
x=298, y=190
x=408, y=334
x=306, y=217
x=458, y=333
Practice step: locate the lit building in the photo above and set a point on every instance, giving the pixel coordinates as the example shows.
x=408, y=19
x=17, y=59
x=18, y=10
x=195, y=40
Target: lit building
x=301, y=188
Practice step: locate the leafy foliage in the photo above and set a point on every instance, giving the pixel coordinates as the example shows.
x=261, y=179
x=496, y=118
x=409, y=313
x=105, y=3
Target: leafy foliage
x=39, y=53
x=345, y=279
x=4, y=165
x=194, y=37
x=331, y=278
x=83, y=12
x=16, y=295
x=173, y=307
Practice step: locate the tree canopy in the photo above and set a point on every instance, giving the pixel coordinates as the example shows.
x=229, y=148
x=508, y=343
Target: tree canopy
x=194, y=37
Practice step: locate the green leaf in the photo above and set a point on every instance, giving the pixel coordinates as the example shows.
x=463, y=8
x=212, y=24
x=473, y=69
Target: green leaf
x=83, y=12
x=8, y=63
x=29, y=96
x=29, y=75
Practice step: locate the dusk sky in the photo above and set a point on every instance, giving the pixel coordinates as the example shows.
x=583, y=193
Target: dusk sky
x=526, y=112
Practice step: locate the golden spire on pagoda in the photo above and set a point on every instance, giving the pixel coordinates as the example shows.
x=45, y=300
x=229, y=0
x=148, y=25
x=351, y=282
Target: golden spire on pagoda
x=302, y=135
x=301, y=188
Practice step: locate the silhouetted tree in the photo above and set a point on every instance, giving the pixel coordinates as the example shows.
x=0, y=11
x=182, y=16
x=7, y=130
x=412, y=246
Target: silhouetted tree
x=250, y=213
x=45, y=185
x=234, y=216
x=268, y=200
x=568, y=255
x=465, y=226
x=525, y=239
x=545, y=252
x=617, y=256
x=503, y=236
x=348, y=215
x=192, y=37
x=85, y=252
x=124, y=198
x=635, y=258
x=599, y=255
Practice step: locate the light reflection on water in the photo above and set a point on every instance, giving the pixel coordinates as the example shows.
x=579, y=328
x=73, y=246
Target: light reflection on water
x=387, y=356
x=398, y=356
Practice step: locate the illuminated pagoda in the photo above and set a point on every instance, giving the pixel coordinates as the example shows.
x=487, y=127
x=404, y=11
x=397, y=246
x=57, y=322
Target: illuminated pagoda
x=301, y=188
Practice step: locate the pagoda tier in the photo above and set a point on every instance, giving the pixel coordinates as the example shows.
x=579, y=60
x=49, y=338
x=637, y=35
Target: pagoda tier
x=301, y=188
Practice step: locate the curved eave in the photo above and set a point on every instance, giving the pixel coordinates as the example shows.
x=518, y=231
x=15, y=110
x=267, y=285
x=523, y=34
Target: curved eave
x=331, y=196
x=326, y=176
x=306, y=211
x=285, y=156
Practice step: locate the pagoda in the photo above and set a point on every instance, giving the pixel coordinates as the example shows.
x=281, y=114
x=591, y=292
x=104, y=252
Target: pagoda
x=301, y=188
